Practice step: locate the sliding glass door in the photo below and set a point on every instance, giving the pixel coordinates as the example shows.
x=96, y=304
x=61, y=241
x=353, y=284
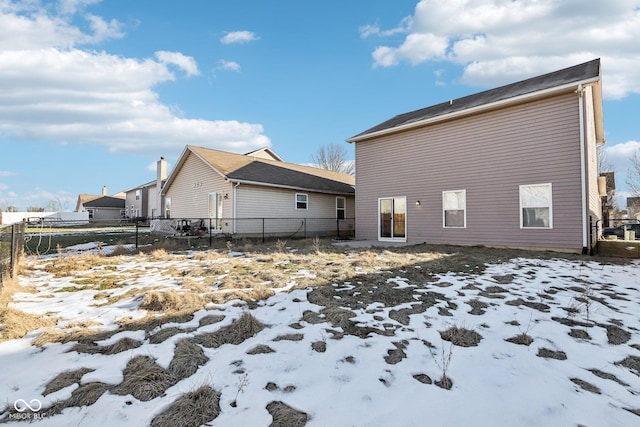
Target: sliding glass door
x=392, y=218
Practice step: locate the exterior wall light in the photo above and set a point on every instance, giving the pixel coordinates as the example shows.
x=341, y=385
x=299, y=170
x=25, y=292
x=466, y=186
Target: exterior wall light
x=417, y=202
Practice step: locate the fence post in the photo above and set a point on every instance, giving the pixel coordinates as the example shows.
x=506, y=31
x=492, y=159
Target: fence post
x=262, y=230
x=338, y=227
x=136, y=233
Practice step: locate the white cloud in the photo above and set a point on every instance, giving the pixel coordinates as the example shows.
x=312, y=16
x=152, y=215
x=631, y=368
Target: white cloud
x=6, y=173
x=239, y=37
x=623, y=150
x=229, y=65
x=619, y=157
x=54, y=91
x=186, y=63
x=499, y=41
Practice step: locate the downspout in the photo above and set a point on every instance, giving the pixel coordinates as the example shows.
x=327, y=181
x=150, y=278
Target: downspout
x=583, y=171
x=235, y=201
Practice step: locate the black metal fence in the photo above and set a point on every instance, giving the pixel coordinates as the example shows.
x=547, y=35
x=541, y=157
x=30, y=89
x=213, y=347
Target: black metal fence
x=11, y=249
x=43, y=238
x=259, y=227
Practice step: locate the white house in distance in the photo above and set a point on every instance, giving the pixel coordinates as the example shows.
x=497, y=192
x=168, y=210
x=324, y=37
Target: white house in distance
x=145, y=201
x=514, y=166
x=246, y=194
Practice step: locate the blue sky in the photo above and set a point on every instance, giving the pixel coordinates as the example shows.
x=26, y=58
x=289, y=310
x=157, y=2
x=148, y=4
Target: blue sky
x=94, y=92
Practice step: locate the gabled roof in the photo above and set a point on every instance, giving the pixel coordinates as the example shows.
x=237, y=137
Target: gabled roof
x=266, y=153
x=105, y=202
x=262, y=171
x=588, y=72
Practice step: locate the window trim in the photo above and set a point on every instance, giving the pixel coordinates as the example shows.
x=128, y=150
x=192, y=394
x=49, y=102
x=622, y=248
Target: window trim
x=464, y=209
x=306, y=202
x=550, y=207
x=393, y=238
x=343, y=208
x=215, y=220
x=167, y=207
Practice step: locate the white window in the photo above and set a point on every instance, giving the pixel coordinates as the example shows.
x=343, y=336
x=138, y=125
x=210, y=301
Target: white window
x=91, y=213
x=392, y=218
x=454, y=208
x=341, y=207
x=138, y=194
x=535, y=206
x=215, y=210
x=302, y=201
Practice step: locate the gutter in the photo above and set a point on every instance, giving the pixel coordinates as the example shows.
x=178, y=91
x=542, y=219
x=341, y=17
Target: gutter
x=290, y=187
x=583, y=171
x=235, y=207
x=472, y=110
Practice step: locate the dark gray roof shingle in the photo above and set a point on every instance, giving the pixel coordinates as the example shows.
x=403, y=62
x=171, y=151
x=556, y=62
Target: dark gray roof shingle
x=577, y=73
x=106, y=202
x=266, y=173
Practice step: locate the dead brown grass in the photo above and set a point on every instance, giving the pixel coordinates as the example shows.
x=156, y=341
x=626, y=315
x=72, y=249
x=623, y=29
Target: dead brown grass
x=172, y=300
x=144, y=379
x=237, y=332
x=17, y=323
x=286, y=416
x=192, y=409
x=65, y=379
x=187, y=358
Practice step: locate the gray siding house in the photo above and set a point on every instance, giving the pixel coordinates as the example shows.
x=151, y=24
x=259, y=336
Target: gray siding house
x=233, y=193
x=514, y=166
x=145, y=200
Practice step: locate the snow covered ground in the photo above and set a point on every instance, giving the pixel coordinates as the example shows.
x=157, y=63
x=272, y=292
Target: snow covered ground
x=359, y=353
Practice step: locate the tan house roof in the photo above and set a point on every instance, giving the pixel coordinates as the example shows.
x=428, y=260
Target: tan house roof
x=263, y=171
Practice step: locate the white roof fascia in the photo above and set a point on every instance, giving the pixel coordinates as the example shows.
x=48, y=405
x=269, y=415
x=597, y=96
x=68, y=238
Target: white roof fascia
x=472, y=110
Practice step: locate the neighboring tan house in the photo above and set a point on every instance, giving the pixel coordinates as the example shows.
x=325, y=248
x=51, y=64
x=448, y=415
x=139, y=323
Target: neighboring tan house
x=102, y=207
x=514, y=166
x=235, y=193
x=145, y=201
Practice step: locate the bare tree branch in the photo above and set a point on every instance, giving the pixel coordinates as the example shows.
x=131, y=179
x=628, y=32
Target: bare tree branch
x=633, y=175
x=334, y=158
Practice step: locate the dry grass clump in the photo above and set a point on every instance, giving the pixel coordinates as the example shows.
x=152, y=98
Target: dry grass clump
x=461, y=336
x=192, y=409
x=187, y=358
x=165, y=333
x=16, y=323
x=65, y=379
x=119, y=346
x=69, y=265
x=151, y=322
x=286, y=416
x=260, y=349
x=195, y=285
x=86, y=394
x=144, y=379
x=172, y=300
x=249, y=295
x=237, y=332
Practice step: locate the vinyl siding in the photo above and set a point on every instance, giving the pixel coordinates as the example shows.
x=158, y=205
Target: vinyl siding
x=489, y=155
x=190, y=189
x=255, y=202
